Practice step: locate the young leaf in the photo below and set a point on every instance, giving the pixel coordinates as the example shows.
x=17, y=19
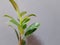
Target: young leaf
x=31, y=15
x=33, y=27
x=24, y=22
x=28, y=16
x=14, y=5
x=23, y=13
x=8, y=16
x=24, y=26
x=14, y=22
x=15, y=32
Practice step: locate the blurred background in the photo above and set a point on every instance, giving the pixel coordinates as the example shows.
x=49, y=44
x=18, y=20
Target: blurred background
x=48, y=14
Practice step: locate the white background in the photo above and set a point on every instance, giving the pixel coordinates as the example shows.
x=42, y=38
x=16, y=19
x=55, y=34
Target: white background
x=48, y=14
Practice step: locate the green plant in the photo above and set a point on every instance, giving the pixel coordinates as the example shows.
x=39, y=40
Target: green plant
x=21, y=23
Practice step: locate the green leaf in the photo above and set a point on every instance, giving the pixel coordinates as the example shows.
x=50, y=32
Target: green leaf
x=28, y=16
x=31, y=15
x=15, y=31
x=23, y=13
x=24, y=22
x=33, y=27
x=24, y=26
x=8, y=16
x=14, y=5
x=14, y=22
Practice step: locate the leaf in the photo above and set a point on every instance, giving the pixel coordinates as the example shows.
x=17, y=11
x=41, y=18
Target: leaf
x=8, y=16
x=23, y=13
x=18, y=25
x=24, y=26
x=15, y=32
x=14, y=22
x=31, y=15
x=24, y=22
x=33, y=27
x=14, y=5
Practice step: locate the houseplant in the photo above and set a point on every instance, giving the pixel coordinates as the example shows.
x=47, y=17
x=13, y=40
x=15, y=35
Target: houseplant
x=21, y=23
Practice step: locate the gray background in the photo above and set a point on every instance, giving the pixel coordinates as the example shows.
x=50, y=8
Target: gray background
x=47, y=12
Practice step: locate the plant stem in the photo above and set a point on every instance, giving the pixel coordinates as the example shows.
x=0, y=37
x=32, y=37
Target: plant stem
x=20, y=40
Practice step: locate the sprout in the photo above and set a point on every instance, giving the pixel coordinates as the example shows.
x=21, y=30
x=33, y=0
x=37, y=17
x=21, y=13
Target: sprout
x=23, y=31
